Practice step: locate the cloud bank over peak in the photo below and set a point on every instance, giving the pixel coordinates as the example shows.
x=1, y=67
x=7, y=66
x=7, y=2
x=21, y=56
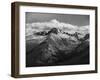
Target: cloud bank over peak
x=45, y=26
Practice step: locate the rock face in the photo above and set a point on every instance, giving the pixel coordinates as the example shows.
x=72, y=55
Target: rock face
x=59, y=48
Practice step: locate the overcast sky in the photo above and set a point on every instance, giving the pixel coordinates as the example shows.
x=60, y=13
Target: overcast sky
x=78, y=20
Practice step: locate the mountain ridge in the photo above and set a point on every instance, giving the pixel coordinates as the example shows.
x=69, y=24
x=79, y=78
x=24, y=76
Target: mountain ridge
x=55, y=48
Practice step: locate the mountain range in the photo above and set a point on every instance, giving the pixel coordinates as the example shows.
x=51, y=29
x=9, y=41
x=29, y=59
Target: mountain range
x=57, y=48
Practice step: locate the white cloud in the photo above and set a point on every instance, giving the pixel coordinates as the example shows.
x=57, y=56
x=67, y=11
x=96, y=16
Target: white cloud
x=40, y=26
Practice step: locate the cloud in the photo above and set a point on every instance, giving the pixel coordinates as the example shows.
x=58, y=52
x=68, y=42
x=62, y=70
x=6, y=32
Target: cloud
x=41, y=26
